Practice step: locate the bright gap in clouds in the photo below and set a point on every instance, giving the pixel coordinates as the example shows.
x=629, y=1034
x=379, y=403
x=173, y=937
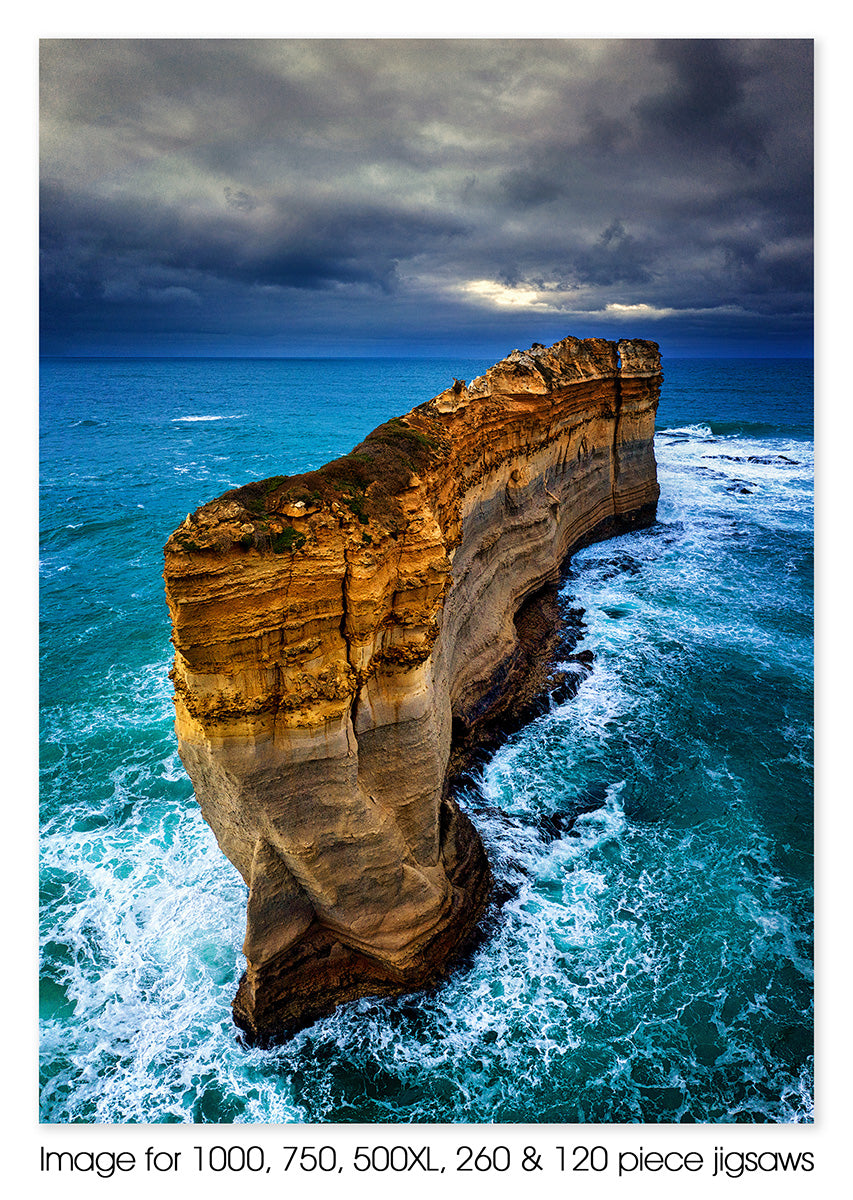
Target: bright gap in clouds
x=636, y=310
x=491, y=292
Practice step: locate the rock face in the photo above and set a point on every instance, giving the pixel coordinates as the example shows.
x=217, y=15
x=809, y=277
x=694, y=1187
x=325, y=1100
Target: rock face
x=334, y=632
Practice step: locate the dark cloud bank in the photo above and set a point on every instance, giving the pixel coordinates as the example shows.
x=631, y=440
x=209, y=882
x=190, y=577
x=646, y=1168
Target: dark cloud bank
x=370, y=197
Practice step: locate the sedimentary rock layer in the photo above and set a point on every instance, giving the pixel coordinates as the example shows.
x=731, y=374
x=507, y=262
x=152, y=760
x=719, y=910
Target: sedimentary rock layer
x=335, y=631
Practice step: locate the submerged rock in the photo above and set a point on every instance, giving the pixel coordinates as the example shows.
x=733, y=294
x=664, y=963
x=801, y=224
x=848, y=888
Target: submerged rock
x=336, y=633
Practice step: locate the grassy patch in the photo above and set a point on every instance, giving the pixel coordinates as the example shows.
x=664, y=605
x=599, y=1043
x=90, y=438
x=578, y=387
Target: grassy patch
x=356, y=502
x=367, y=481
x=287, y=540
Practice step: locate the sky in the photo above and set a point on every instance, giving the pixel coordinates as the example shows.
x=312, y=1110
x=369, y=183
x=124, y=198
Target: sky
x=425, y=196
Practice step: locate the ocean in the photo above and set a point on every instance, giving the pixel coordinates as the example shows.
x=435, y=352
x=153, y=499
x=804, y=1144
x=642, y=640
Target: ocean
x=652, y=963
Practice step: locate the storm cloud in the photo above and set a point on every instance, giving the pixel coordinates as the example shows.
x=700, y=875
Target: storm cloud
x=289, y=197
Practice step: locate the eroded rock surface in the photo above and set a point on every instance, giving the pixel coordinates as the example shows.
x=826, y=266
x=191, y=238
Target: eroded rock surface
x=334, y=631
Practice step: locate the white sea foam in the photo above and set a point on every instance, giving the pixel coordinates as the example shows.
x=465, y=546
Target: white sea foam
x=152, y=948
x=686, y=431
x=211, y=417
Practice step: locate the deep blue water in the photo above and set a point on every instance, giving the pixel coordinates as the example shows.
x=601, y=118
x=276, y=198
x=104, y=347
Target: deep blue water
x=657, y=967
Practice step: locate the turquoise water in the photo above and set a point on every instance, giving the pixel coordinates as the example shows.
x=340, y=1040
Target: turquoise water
x=652, y=960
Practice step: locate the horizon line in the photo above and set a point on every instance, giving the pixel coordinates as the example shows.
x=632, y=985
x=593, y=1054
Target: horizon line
x=364, y=357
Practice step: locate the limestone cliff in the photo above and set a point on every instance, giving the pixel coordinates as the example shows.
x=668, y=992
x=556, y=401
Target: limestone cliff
x=335, y=631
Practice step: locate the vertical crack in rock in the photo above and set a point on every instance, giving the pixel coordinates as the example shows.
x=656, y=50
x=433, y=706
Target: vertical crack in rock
x=347, y=640
x=352, y=736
